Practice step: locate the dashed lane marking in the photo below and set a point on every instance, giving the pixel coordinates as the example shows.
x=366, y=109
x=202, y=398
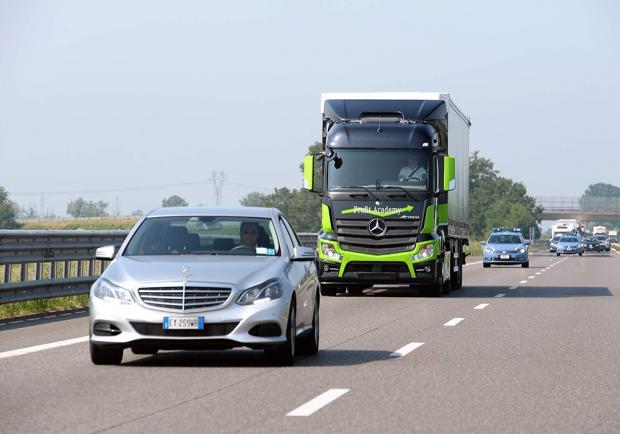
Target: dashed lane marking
x=500, y=295
x=472, y=263
x=36, y=348
x=317, y=403
x=513, y=287
x=406, y=349
x=453, y=322
x=481, y=306
x=523, y=281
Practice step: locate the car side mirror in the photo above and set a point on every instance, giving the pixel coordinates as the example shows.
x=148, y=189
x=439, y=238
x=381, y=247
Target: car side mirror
x=301, y=253
x=105, y=252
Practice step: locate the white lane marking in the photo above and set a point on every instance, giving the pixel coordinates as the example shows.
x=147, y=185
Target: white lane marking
x=523, y=281
x=472, y=263
x=538, y=274
x=453, y=322
x=531, y=277
x=27, y=350
x=500, y=295
x=481, y=306
x=513, y=287
x=317, y=403
x=406, y=349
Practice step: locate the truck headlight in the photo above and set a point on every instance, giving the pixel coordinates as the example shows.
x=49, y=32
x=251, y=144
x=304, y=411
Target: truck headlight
x=262, y=293
x=329, y=251
x=107, y=291
x=425, y=252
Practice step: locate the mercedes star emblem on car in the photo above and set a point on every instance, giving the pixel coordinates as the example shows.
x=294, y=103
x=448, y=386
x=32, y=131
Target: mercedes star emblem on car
x=377, y=227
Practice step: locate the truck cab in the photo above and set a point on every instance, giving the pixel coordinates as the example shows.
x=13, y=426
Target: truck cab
x=394, y=198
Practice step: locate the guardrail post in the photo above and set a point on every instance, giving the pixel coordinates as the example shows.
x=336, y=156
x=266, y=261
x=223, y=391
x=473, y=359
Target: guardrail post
x=37, y=272
x=7, y=273
x=23, y=272
x=52, y=270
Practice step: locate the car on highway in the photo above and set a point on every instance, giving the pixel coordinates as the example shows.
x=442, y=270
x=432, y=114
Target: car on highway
x=569, y=245
x=592, y=244
x=604, y=241
x=553, y=243
x=505, y=246
x=199, y=278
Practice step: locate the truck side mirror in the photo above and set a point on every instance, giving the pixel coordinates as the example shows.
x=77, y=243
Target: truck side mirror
x=446, y=173
x=309, y=172
x=313, y=173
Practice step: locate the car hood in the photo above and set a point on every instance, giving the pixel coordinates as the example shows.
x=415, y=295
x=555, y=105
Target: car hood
x=569, y=244
x=132, y=272
x=506, y=247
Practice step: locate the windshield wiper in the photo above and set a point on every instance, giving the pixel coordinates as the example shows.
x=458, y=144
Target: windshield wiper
x=362, y=187
x=407, y=192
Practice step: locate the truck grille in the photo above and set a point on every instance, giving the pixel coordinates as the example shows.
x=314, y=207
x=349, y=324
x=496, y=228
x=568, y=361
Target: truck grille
x=184, y=298
x=400, y=236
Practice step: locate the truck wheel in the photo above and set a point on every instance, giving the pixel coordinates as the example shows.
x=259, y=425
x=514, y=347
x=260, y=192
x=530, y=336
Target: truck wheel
x=105, y=356
x=356, y=289
x=329, y=290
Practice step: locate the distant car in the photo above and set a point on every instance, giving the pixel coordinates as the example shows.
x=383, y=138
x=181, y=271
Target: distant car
x=569, y=245
x=604, y=241
x=553, y=242
x=505, y=246
x=592, y=244
x=196, y=278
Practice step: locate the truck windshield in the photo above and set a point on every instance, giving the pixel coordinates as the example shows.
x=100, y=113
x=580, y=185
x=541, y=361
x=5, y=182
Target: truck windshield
x=379, y=168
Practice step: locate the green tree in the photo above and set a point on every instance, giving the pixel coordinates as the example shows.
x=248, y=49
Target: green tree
x=495, y=201
x=82, y=208
x=253, y=199
x=173, y=200
x=602, y=190
x=601, y=196
x=7, y=211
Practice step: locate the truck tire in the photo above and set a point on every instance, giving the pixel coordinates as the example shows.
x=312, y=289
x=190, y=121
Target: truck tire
x=329, y=290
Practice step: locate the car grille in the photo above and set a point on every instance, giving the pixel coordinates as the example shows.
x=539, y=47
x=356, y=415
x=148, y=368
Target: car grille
x=184, y=298
x=400, y=236
x=157, y=329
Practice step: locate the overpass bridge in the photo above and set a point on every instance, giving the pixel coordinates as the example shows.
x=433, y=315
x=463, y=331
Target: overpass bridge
x=588, y=209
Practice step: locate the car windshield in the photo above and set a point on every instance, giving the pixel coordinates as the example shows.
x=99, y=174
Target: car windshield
x=569, y=240
x=376, y=169
x=505, y=239
x=600, y=237
x=591, y=240
x=204, y=235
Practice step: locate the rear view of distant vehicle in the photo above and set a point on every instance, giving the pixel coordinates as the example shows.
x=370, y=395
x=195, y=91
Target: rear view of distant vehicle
x=553, y=243
x=569, y=245
x=591, y=244
x=192, y=278
x=506, y=247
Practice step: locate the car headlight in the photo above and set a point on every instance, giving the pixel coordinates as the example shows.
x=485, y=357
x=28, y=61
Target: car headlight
x=489, y=250
x=329, y=251
x=107, y=291
x=425, y=252
x=520, y=249
x=263, y=293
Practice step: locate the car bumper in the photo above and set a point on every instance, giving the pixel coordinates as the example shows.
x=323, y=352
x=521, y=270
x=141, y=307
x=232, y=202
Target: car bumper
x=569, y=252
x=123, y=326
x=376, y=273
x=513, y=258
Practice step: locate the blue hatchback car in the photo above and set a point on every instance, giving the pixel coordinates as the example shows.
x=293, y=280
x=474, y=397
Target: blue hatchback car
x=505, y=246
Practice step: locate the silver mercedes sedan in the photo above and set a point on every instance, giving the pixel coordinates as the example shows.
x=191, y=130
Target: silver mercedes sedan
x=198, y=278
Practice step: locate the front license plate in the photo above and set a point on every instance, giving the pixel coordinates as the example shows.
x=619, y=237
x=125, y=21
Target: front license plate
x=504, y=256
x=194, y=323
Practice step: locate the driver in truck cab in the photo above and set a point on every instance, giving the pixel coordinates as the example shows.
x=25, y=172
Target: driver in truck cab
x=412, y=172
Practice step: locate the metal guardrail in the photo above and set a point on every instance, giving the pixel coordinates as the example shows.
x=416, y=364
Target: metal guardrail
x=48, y=264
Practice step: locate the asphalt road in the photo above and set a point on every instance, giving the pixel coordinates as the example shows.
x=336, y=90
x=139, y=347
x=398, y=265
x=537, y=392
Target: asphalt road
x=515, y=350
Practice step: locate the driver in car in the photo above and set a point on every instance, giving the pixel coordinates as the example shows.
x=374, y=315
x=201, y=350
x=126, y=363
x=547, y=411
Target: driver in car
x=248, y=234
x=412, y=172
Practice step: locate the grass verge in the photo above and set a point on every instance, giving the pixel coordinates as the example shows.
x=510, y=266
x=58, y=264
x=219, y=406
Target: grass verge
x=58, y=304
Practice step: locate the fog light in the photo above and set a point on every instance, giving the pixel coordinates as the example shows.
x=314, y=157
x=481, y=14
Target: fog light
x=427, y=269
x=326, y=268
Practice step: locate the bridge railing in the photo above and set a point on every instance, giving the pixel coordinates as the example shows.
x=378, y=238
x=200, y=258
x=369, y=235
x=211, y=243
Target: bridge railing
x=589, y=204
x=48, y=264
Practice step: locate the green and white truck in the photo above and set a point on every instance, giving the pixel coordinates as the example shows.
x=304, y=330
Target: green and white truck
x=394, y=177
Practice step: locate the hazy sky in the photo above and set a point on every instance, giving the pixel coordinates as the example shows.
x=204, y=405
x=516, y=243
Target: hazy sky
x=119, y=95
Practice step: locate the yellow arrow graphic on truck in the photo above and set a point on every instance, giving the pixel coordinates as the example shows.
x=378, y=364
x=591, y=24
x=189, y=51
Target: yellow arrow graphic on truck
x=377, y=211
